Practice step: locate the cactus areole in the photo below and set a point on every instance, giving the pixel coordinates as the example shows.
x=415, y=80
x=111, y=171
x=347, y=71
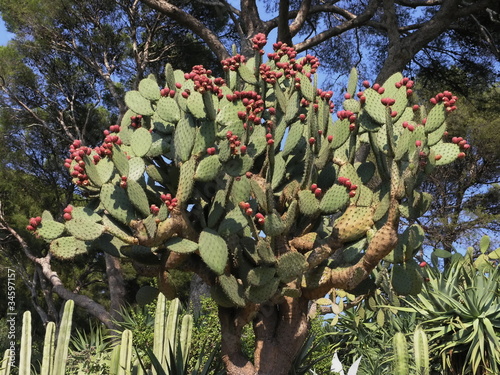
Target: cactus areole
x=249, y=182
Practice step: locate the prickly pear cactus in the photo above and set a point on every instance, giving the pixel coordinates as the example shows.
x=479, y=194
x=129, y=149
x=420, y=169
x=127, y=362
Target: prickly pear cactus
x=249, y=181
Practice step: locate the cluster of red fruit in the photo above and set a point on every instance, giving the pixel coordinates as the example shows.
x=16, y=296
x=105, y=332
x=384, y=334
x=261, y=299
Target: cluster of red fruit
x=135, y=121
x=77, y=152
x=259, y=41
x=203, y=81
x=234, y=144
x=349, y=185
x=408, y=126
x=110, y=139
x=342, y=115
x=268, y=75
x=408, y=83
x=448, y=100
x=259, y=218
x=34, y=222
x=167, y=92
x=316, y=190
x=233, y=63
x=67, y=213
x=170, y=202
x=462, y=143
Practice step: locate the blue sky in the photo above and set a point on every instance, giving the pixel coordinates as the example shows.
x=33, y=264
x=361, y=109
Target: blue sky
x=5, y=36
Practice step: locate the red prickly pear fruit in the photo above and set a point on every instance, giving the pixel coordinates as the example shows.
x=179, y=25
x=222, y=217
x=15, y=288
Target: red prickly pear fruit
x=347, y=183
x=376, y=86
x=330, y=138
x=352, y=127
x=318, y=192
x=455, y=140
x=422, y=264
x=352, y=193
x=418, y=143
x=302, y=117
x=347, y=96
x=124, y=178
x=415, y=107
x=313, y=187
x=380, y=90
x=353, y=187
x=394, y=113
x=68, y=209
x=433, y=101
x=67, y=216
x=312, y=141
x=269, y=136
x=409, y=92
x=33, y=222
x=270, y=142
x=249, y=174
x=461, y=155
x=249, y=212
x=424, y=121
x=366, y=84
x=272, y=111
x=466, y=146
x=123, y=184
x=411, y=127
x=38, y=220
x=30, y=228
x=243, y=149
x=438, y=157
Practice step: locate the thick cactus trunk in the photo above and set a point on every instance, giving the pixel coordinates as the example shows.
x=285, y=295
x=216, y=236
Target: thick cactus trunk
x=280, y=331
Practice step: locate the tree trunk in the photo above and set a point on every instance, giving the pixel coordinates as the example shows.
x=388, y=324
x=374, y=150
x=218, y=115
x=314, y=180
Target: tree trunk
x=280, y=331
x=116, y=286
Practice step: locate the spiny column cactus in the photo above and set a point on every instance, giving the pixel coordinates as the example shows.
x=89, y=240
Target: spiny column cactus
x=248, y=180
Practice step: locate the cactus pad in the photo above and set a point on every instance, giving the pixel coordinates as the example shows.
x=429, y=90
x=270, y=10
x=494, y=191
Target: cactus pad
x=213, y=250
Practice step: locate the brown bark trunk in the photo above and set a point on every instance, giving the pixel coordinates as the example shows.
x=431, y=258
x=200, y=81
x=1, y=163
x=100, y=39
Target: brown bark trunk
x=116, y=286
x=280, y=331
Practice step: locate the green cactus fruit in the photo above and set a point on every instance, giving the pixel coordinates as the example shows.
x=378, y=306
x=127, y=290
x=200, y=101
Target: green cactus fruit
x=238, y=165
x=232, y=289
x=115, y=200
x=138, y=103
x=84, y=229
x=446, y=153
x=208, y=168
x=273, y=226
x=168, y=109
x=120, y=160
x=401, y=355
x=291, y=265
x=340, y=132
x=67, y=248
x=146, y=295
x=213, y=250
x=234, y=221
x=196, y=105
x=259, y=276
x=334, y=199
x=138, y=197
x=353, y=223
x=181, y=245
x=262, y=293
x=308, y=203
x=50, y=230
x=141, y=141
x=352, y=83
x=184, y=138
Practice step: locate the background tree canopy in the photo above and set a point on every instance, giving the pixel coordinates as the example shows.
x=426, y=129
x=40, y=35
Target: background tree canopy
x=64, y=75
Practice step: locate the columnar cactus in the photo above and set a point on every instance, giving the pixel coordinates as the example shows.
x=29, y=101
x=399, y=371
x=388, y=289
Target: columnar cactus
x=248, y=180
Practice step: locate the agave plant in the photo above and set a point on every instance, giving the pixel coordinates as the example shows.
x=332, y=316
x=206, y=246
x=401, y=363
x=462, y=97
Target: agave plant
x=461, y=312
